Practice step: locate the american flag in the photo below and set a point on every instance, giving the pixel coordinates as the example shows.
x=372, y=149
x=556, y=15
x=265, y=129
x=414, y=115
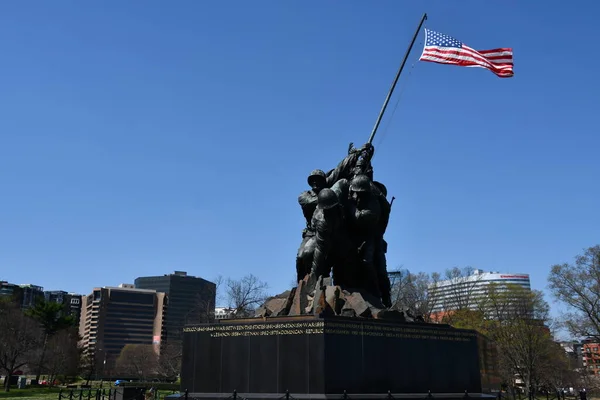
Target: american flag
x=444, y=49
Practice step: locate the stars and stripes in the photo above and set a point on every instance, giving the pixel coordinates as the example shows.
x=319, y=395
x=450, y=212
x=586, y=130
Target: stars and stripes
x=444, y=49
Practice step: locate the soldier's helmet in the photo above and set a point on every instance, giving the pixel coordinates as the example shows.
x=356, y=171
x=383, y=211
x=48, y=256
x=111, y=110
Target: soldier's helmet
x=361, y=183
x=327, y=199
x=316, y=174
x=381, y=188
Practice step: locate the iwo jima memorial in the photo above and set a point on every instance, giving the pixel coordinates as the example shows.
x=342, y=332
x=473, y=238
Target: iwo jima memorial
x=336, y=334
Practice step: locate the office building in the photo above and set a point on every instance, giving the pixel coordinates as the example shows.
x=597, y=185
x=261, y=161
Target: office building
x=191, y=300
x=70, y=301
x=12, y=292
x=31, y=295
x=112, y=317
x=590, y=353
x=469, y=291
x=75, y=306
x=24, y=295
x=574, y=352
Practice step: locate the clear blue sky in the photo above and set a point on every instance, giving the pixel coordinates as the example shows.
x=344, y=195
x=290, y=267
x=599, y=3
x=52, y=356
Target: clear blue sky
x=142, y=137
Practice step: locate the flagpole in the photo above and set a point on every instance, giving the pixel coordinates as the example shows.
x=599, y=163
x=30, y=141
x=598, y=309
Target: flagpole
x=387, y=99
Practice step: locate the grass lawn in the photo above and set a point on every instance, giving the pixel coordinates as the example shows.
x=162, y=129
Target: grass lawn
x=30, y=394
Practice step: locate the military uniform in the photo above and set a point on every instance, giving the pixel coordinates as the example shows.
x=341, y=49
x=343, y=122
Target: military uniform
x=327, y=222
x=308, y=201
x=364, y=218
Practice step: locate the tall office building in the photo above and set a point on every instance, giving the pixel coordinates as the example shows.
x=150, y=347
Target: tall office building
x=191, y=300
x=112, y=317
x=468, y=291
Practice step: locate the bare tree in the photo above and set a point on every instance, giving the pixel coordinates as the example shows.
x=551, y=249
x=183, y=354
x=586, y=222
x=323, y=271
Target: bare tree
x=578, y=286
x=462, y=288
x=169, y=361
x=139, y=360
x=20, y=337
x=558, y=371
x=457, y=290
x=63, y=354
x=412, y=291
x=245, y=295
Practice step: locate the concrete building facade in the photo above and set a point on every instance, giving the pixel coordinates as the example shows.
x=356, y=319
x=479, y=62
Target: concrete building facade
x=191, y=300
x=113, y=317
x=467, y=292
x=591, y=357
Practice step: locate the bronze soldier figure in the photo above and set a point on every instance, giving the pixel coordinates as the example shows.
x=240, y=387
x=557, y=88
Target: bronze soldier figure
x=346, y=215
x=308, y=200
x=381, y=246
x=364, y=214
x=327, y=222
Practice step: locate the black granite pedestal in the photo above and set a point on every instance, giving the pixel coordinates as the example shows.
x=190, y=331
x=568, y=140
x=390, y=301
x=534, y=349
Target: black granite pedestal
x=325, y=357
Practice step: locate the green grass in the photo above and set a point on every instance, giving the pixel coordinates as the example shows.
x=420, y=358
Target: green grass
x=30, y=394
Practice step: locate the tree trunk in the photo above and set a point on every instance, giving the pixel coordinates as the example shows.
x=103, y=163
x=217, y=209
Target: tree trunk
x=41, y=363
x=51, y=378
x=7, y=382
x=92, y=369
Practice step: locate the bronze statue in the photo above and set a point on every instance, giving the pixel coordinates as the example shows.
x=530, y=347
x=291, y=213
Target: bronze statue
x=341, y=263
x=346, y=216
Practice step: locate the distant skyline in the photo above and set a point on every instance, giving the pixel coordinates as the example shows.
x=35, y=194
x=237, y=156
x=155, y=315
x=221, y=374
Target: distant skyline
x=138, y=138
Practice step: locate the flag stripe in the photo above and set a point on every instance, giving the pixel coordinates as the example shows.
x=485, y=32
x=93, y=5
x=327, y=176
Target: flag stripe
x=499, y=51
x=443, y=49
x=465, y=60
x=497, y=71
x=468, y=61
x=445, y=52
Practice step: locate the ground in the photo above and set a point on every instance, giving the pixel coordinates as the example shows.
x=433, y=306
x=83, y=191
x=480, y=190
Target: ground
x=31, y=394
x=44, y=393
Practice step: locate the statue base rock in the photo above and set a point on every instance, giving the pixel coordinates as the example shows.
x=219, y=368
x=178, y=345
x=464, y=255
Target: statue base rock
x=317, y=296
x=327, y=356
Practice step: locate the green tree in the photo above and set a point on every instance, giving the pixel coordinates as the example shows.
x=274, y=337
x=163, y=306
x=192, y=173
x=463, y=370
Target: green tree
x=467, y=319
x=52, y=318
x=516, y=320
